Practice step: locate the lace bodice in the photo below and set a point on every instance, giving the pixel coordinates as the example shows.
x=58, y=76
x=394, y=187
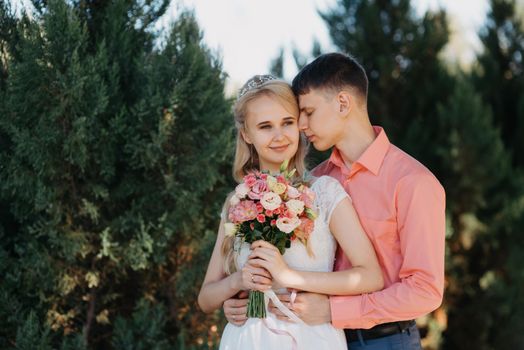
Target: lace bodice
x=329, y=193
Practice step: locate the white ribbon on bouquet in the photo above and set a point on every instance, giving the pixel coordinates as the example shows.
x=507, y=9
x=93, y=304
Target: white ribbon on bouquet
x=269, y=323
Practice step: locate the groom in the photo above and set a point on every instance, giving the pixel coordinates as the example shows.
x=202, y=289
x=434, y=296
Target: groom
x=401, y=206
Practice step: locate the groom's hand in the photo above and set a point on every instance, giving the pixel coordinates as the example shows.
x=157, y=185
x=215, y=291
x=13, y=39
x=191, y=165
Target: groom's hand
x=235, y=309
x=312, y=308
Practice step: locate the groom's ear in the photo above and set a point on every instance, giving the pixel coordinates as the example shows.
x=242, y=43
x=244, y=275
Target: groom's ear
x=345, y=102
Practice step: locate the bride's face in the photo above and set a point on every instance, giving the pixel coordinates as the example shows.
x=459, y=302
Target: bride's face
x=272, y=130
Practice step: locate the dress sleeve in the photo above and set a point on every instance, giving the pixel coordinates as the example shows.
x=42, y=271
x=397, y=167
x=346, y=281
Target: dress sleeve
x=332, y=194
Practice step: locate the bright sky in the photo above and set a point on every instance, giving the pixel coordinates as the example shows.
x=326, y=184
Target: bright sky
x=249, y=33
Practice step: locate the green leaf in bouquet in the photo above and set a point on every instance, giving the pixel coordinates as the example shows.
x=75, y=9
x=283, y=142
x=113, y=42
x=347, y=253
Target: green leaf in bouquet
x=284, y=165
x=281, y=245
x=257, y=234
x=311, y=213
x=290, y=174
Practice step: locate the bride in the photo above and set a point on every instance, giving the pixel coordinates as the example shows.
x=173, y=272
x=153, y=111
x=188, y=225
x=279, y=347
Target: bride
x=266, y=117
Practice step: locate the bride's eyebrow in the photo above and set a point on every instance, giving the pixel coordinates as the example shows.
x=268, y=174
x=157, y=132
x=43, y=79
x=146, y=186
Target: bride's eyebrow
x=265, y=122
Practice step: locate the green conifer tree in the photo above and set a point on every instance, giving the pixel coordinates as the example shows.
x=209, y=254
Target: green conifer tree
x=487, y=208
x=485, y=199
x=499, y=74
x=115, y=142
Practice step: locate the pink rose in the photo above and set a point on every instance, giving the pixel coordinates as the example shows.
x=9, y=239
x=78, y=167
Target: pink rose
x=261, y=218
x=308, y=197
x=258, y=189
x=305, y=228
x=292, y=192
x=243, y=211
x=241, y=190
x=286, y=213
x=250, y=180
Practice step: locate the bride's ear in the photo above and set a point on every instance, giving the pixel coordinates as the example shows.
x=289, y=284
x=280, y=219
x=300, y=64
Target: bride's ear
x=245, y=137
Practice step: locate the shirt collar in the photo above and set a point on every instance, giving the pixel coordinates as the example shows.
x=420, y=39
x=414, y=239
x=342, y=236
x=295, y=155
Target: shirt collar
x=372, y=157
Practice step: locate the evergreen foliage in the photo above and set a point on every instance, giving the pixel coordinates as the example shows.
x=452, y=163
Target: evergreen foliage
x=114, y=146
x=499, y=73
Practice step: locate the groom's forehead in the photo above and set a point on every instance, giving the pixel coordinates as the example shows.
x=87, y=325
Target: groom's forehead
x=310, y=99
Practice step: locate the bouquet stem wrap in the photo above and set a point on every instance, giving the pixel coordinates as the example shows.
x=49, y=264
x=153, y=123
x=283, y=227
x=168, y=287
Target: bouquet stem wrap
x=256, y=306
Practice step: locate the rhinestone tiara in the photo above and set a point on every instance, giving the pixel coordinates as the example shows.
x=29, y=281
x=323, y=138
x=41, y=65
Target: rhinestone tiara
x=254, y=83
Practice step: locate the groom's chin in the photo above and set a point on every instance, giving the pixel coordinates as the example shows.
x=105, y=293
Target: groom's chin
x=320, y=146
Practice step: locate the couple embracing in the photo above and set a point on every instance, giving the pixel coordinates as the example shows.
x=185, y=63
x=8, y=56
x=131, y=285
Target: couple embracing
x=375, y=258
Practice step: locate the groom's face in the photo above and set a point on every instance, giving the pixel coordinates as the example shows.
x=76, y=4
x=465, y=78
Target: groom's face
x=319, y=118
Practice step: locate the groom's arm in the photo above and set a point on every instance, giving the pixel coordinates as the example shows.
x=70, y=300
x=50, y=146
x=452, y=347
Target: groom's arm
x=421, y=225
x=312, y=308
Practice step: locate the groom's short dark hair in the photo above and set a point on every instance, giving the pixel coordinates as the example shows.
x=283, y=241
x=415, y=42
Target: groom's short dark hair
x=331, y=71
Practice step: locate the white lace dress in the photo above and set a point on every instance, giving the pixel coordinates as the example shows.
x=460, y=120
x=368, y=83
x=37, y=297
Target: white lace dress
x=271, y=333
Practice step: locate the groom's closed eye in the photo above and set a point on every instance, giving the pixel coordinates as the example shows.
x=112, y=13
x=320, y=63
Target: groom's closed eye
x=307, y=112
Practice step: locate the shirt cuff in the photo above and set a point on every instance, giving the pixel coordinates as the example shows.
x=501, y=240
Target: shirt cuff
x=345, y=312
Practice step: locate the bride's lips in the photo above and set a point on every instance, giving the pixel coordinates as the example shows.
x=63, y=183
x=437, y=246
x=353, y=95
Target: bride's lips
x=280, y=148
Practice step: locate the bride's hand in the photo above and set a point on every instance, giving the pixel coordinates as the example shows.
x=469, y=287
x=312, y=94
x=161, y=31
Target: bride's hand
x=254, y=278
x=267, y=256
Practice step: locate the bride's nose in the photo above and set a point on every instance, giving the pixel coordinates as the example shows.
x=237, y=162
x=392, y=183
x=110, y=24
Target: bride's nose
x=279, y=134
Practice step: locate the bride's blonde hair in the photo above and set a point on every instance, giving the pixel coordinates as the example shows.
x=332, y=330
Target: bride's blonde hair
x=246, y=158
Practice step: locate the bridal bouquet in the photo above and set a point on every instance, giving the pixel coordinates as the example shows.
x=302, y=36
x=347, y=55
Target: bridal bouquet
x=273, y=209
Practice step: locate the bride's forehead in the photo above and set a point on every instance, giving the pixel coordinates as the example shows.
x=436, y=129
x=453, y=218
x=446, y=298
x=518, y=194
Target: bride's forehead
x=268, y=109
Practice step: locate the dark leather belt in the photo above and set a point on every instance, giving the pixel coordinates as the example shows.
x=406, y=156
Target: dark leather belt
x=379, y=331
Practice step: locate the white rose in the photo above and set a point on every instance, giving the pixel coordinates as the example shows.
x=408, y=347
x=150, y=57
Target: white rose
x=287, y=225
x=234, y=200
x=271, y=181
x=279, y=188
x=230, y=229
x=242, y=190
x=270, y=201
x=295, y=206
x=292, y=192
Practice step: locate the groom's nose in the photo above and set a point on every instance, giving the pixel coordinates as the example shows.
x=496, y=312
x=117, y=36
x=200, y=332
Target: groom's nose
x=302, y=122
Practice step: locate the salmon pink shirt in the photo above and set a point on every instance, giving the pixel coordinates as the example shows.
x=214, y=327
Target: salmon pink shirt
x=401, y=206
